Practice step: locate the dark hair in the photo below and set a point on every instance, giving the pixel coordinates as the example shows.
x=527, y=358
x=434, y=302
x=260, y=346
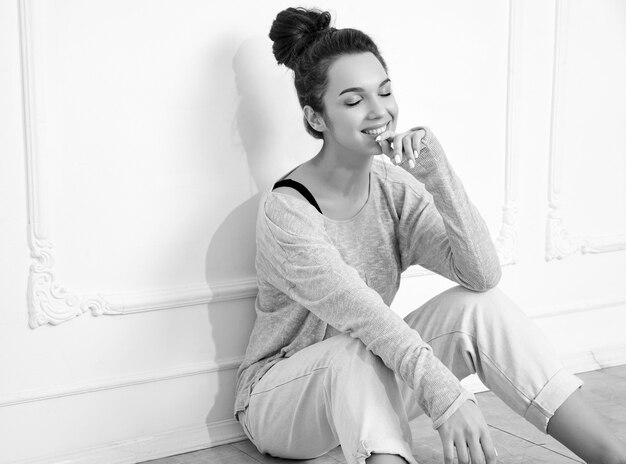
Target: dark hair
x=305, y=43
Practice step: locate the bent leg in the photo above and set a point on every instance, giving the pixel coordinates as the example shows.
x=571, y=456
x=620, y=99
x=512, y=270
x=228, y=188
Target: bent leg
x=486, y=333
x=333, y=392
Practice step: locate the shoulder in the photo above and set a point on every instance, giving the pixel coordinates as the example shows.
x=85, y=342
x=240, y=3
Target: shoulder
x=288, y=212
x=291, y=192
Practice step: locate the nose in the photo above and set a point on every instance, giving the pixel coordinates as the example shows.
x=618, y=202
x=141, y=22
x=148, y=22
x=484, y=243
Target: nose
x=376, y=108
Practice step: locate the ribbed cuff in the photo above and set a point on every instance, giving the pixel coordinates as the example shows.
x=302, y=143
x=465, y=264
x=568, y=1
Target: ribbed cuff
x=430, y=152
x=456, y=404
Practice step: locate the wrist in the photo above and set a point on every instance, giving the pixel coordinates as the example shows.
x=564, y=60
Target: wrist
x=456, y=404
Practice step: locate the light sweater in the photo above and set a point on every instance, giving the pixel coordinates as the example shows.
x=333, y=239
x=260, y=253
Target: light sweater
x=318, y=277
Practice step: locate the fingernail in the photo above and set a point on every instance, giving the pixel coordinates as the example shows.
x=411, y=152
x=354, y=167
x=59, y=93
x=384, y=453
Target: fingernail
x=415, y=153
x=378, y=138
x=495, y=451
x=412, y=164
x=398, y=159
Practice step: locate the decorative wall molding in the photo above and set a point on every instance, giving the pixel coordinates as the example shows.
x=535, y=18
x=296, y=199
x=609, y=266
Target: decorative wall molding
x=561, y=242
x=506, y=243
x=42, y=394
x=150, y=447
x=578, y=307
x=137, y=302
x=233, y=363
x=51, y=302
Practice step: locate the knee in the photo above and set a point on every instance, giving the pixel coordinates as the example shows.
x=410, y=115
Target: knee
x=490, y=302
x=492, y=308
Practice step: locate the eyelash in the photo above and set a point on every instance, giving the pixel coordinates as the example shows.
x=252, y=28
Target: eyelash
x=357, y=102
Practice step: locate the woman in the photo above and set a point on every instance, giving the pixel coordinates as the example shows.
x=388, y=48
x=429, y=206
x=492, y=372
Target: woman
x=328, y=362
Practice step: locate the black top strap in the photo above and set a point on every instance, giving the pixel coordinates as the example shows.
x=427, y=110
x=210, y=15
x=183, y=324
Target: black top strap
x=300, y=188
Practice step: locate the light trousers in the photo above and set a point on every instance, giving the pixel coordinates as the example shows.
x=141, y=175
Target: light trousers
x=336, y=392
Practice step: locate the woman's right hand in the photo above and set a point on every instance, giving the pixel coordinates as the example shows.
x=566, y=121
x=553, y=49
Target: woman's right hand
x=404, y=145
x=467, y=431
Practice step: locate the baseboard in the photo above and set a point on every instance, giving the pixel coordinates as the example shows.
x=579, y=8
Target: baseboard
x=152, y=446
x=599, y=358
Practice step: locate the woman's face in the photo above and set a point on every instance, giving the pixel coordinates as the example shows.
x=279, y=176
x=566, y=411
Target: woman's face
x=358, y=104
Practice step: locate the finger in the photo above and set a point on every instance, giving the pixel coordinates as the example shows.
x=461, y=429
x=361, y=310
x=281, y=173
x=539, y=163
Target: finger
x=476, y=452
x=488, y=449
x=387, y=135
x=461, y=451
x=407, y=146
x=418, y=136
x=384, y=140
x=397, y=148
x=385, y=147
x=448, y=452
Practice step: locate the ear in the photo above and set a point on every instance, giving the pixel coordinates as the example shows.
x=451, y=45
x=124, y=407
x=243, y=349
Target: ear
x=315, y=119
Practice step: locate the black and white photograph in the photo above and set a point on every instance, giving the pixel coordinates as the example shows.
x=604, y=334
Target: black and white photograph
x=340, y=232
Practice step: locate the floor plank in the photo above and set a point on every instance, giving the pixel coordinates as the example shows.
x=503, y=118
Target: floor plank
x=516, y=440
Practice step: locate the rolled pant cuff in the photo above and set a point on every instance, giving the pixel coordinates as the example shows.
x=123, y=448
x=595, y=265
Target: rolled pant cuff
x=389, y=445
x=550, y=398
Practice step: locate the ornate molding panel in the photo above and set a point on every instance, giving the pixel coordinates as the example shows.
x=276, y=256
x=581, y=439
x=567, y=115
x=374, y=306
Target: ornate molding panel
x=506, y=243
x=50, y=302
x=561, y=242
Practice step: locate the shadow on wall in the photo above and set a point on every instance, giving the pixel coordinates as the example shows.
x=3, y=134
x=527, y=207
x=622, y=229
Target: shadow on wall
x=264, y=102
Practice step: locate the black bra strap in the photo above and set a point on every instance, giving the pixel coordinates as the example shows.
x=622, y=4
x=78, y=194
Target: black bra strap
x=300, y=188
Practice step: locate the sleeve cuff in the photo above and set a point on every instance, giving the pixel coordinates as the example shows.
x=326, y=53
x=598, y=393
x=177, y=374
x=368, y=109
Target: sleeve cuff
x=429, y=154
x=456, y=404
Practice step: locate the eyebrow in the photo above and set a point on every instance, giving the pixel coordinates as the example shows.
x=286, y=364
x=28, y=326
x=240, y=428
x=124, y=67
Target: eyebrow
x=360, y=89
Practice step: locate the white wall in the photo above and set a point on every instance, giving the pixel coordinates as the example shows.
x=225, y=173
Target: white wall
x=135, y=138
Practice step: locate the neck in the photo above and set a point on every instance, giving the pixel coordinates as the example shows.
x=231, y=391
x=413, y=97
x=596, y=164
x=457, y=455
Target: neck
x=345, y=174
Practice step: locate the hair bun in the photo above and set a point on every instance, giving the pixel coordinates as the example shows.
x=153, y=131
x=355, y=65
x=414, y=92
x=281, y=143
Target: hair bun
x=293, y=30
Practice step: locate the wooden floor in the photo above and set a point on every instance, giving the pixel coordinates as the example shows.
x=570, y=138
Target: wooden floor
x=516, y=440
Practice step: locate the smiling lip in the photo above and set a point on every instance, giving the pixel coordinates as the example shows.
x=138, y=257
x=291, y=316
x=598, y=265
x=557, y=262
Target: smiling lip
x=377, y=131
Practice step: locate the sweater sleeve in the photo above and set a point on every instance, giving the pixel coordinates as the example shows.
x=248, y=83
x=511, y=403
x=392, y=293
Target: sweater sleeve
x=300, y=260
x=445, y=233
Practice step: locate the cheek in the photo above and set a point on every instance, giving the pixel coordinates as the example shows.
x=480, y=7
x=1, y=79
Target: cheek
x=393, y=108
x=343, y=121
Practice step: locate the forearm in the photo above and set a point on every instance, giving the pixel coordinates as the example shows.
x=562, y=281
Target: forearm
x=472, y=260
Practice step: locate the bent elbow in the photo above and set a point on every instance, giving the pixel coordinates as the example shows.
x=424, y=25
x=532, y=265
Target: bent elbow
x=487, y=281
x=491, y=279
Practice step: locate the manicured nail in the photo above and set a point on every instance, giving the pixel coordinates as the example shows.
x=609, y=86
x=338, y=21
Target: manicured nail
x=398, y=159
x=495, y=451
x=415, y=153
x=378, y=138
x=412, y=164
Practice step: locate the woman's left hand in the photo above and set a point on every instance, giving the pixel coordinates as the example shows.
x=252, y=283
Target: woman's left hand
x=405, y=145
